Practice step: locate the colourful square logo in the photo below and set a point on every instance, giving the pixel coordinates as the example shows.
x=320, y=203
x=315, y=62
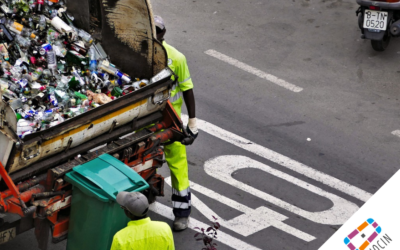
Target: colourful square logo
x=363, y=235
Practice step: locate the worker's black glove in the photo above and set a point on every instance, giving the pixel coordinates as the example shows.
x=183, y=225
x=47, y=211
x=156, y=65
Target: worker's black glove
x=192, y=130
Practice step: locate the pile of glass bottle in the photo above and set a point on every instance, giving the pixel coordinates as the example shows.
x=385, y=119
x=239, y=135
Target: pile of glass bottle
x=50, y=70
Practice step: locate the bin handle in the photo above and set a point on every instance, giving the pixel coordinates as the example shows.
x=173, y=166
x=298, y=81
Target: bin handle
x=109, y=189
x=127, y=171
x=131, y=174
x=84, y=185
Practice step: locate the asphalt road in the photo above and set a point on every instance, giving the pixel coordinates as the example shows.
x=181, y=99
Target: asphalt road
x=339, y=126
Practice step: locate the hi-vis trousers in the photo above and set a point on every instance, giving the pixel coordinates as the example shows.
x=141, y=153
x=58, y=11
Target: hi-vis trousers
x=175, y=155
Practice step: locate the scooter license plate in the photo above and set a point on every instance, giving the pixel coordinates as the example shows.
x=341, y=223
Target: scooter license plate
x=375, y=19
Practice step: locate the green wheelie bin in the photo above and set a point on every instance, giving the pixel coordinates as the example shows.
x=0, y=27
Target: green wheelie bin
x=95, y=216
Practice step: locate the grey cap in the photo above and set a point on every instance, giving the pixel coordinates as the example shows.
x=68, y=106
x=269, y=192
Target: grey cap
x=159, y=22
x=134, y=202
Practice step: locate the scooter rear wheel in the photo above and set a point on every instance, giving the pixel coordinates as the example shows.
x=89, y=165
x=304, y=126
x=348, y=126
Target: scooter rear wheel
x=380, y=45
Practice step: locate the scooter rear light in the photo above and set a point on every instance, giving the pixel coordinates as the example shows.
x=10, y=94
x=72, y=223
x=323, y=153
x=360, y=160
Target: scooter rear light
x=374, y=8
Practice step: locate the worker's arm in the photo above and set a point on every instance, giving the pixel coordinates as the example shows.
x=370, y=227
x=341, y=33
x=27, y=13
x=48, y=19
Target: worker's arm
x=188, y=96
x=186, y=86
x=191, y=128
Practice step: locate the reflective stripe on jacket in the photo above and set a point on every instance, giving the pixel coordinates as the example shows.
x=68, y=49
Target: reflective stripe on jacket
x=177, y=63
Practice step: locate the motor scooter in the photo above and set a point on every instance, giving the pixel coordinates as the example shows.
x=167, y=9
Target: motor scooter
x=379, y=20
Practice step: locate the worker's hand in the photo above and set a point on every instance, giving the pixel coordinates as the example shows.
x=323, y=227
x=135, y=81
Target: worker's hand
x=192, y=127
x=192, y=130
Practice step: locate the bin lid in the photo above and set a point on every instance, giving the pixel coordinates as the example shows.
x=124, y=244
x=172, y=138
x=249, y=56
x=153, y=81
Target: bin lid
x=104, y=177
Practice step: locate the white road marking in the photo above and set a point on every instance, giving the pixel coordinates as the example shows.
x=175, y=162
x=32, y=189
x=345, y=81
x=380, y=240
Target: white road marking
x=280, y=159
x=254, y=71
x=248, y=223
x=223, y=167
x=396, y=133
x=222, y=237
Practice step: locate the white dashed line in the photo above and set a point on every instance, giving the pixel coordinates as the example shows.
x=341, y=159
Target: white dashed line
x=253, y=70
x=396, y=133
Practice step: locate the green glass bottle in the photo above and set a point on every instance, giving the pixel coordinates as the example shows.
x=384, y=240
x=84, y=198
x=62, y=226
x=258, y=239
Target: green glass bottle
x=19, y=116
x=79, y=95
x=73, y=58
x=117, y=92
x=74, y=84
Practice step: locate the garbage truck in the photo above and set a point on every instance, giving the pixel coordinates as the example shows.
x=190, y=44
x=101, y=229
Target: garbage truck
x=133, y=128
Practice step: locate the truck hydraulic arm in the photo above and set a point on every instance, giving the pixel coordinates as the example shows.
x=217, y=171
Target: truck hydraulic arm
x=24, y=186
x=15, y=192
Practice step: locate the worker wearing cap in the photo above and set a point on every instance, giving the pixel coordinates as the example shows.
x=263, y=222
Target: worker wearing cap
x=175, y=154
x=141, y=233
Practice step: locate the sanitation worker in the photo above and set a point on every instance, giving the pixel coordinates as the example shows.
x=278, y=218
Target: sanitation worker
x=175, y=154
x=141, y=233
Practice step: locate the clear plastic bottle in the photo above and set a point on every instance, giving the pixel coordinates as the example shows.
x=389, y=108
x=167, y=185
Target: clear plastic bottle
x=51, y=61
x=16, y=103
x=61, y=66
x=46, y=74
x=22, y=41
x=59, y=48
x=66, y=102
x=93, y=60
x=114, y=71
x=86, y=37
x=14, y=87
x=62, y=83
x=37, y=73
x=20, y=29
x=77, y=76
x=16, y=72
x=52, y=35
x=4, y=84
x=9, y=94
x=39, y=20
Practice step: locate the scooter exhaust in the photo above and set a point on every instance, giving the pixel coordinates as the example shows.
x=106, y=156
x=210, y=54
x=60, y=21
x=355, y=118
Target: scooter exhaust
x=395, y=29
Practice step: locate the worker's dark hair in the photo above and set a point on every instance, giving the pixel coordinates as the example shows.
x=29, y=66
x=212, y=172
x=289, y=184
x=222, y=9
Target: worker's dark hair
x=133, y=217
x=158, y=30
